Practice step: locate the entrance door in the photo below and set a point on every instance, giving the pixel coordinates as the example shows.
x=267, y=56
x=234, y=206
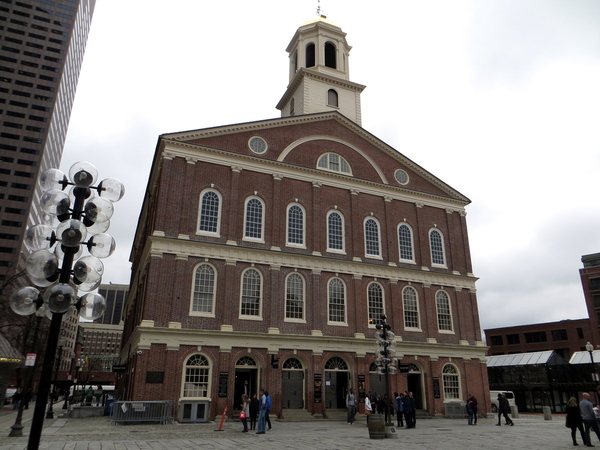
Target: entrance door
x=246, y=378
x=336, y=388
x=416, y=387
x=292, y=389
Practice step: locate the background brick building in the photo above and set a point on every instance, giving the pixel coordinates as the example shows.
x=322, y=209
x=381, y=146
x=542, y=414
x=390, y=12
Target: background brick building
x=266, y=253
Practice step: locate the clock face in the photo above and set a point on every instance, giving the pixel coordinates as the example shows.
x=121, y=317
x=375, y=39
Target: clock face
x=257, y=144
x=401, y=176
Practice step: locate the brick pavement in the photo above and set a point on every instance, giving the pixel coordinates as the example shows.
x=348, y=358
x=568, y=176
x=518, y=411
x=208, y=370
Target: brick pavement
x=530, y=431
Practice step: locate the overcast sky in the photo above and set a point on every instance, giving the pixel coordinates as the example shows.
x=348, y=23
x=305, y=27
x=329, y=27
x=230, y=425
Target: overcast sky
x=498, y=98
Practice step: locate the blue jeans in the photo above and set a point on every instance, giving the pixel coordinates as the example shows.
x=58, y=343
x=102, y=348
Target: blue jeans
x=261, y=420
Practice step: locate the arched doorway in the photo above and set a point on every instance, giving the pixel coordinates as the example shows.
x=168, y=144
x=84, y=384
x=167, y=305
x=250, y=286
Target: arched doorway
x=415, y=385
x=246, y=376
x=292, y=395
x=376, y=380
x=337, y=376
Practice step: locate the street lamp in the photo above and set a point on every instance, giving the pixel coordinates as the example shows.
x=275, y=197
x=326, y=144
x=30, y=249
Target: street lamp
x=16, y=430
x=82, y=213
x=385, y=344
x=50, y=412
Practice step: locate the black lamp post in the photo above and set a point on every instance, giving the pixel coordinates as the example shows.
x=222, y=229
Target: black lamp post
x=386, y=360
x=50, y=412
x=72, y=217
x=16, y=430
x=590, y=348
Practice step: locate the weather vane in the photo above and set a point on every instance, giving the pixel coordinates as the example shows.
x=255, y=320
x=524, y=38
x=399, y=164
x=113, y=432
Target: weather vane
x=319, y=8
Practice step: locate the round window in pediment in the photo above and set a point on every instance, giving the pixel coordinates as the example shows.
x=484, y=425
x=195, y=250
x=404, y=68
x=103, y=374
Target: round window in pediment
x=401, y=176
x=258, y=145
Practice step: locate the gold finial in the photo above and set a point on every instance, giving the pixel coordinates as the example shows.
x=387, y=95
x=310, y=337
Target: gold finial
x=319, y=11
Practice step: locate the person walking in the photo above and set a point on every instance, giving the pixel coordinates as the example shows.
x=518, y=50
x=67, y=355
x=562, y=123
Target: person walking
x=408, y=410
x=262, y=412
x=503, y=408
x=574, y=421
x=399, y=405
x=589, y=419
x=351, y=406
x=368, y=405
x=269, y=404
x=245, y=412
x=254, y=407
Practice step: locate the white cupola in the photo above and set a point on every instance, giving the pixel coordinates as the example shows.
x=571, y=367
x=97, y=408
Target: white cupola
x=319, y=75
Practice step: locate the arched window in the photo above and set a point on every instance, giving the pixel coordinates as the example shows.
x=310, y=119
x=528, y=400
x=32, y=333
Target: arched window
x=451, y=382
x=411, y=308
x=203, y=295
x=330, y=55
x=335, y=232
x=334, y=163
x=197, y=377
x=251, y=293
x=295, y=225
x=372, y=238
x=253, y=227
x=444, y=313
x=294, y=297
x=336, y=293
x=405, y=243
x=332, y=98
x=375, y=301
x=436, y=243
x=336, y=363
x=292, y=364
x=209, y=213
x=310, y=55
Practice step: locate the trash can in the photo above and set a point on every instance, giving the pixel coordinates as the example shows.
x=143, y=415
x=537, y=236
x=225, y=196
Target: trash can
x=108, y=406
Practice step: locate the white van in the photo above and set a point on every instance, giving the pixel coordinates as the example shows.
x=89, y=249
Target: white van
x=510, y=396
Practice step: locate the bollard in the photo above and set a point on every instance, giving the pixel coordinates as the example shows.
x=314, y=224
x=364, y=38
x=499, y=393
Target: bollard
x=222, y=419
x=547, y=413
x=390, y=432
x=514, y=412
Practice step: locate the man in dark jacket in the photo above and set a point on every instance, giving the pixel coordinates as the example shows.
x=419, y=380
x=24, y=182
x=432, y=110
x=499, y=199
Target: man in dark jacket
x=409, y=403
x=503, y=408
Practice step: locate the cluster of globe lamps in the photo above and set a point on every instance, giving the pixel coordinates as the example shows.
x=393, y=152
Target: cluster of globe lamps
x=76, y=218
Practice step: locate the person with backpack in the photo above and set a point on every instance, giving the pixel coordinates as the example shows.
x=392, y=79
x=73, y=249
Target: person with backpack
x=262, y=412
x=269, y=404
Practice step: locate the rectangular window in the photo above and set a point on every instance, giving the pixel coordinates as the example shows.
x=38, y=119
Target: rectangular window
x=496, y=340
x=580, y=333
x=536, y=336
x=559, y=335
x=594, y=284
x=512, y=339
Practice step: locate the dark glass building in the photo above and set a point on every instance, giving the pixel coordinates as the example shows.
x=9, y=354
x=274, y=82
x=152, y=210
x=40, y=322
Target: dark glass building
x=42, y=45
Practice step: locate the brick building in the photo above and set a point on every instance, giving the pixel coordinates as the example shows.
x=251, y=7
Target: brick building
x=564, y=337
x=590, y=282
x=266, y=252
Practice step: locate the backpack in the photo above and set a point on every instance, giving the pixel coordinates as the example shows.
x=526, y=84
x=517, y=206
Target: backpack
x=269, y=402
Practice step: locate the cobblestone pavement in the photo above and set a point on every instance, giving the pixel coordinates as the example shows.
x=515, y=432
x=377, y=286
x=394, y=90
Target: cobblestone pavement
x=530, y=432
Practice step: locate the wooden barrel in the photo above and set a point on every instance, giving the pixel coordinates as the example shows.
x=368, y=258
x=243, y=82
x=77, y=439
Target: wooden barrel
x=376, y=424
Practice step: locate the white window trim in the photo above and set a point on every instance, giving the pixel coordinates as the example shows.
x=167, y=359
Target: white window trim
x=210, y=233
x=412, y=244
x=418, y=329
x=338, y=324
x=290, y=319
x=262, y=225
x=327, y=169
x=459, y=378
x=367, y=254
x=442, y=266
x=261, y=301
x=209, y=384
x=287, y=226
x=449, y=309
x=382, y=301
x=200, y=313
x=335, y=250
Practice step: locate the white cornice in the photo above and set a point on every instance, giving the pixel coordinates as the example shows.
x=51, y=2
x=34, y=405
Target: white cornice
x=145, y=336
x=312, y=118
x=200, y=249
x=261, y=165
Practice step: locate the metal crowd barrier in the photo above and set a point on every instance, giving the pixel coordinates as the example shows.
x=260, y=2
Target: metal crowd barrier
x=138, y=412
